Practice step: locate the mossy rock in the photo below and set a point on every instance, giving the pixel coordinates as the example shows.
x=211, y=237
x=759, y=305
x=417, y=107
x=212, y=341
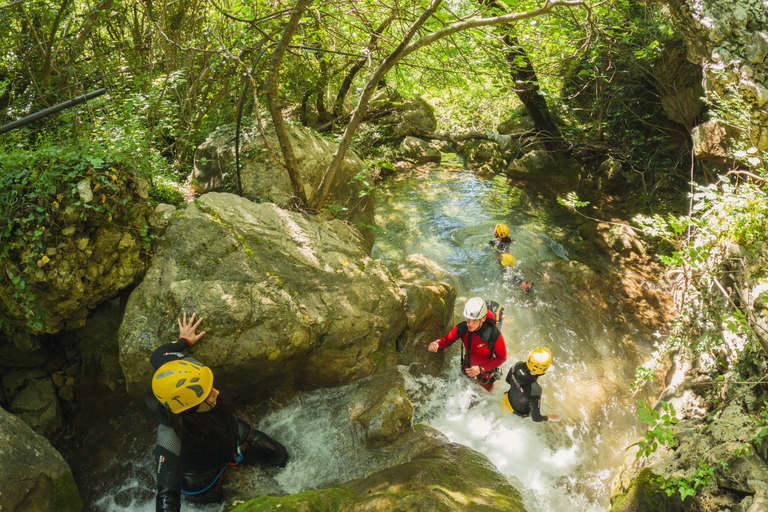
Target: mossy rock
x=644, y=494
x=450, y=478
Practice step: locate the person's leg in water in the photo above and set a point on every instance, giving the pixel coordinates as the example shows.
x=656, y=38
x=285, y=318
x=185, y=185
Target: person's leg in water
x=201, y=488
x=258, y=448
x=524, y=285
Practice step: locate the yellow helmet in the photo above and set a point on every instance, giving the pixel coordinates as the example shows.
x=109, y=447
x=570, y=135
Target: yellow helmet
x=501, y=230
x=180, y=385
x=539, y=360
x=507, y=259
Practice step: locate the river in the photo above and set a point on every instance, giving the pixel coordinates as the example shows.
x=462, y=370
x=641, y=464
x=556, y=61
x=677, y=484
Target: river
x=447, y=215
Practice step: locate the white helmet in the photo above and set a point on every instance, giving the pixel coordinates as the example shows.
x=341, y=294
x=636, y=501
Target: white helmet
x=475, y=309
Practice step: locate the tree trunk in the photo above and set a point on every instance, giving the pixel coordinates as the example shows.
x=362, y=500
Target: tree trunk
x=346, y=85
x=276, y=111
x=526, y=85
x=527, y=89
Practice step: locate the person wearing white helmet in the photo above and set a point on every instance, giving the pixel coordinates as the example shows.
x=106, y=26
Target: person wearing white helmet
x=524, y=395
x=483, y=347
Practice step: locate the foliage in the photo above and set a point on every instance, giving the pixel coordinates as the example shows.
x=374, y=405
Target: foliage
x=688, y=485
x=39, y=196
x=659, y=433
x=723, y=214
x=614, y=89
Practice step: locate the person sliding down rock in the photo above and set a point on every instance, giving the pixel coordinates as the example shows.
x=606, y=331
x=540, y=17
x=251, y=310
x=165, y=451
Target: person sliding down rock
x=483, y=348
x=501, y=242
x=524, y=395
x=198, y=435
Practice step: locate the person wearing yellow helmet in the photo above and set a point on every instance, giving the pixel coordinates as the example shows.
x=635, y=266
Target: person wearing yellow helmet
x=501, y=242
x=483, y=348
x=524, y=395
x=198, y=434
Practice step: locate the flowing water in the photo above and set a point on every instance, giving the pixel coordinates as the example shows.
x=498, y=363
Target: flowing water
x=448, y=216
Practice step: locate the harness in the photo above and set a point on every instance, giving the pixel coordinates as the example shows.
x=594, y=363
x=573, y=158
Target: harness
x=489, y=333
x=235, y=460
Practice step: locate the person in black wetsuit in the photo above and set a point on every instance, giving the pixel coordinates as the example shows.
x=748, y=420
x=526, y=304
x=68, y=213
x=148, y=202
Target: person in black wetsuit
x=501, y=242
x=198, y=435
x=524, y=395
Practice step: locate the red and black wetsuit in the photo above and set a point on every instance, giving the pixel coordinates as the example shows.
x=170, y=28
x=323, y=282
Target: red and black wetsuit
x=477, y=347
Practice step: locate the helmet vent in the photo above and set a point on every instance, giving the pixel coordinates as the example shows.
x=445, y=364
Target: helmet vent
x=197, y=388
x=180, y=382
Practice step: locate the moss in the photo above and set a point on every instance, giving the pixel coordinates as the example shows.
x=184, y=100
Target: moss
x=65, y=494
x=333, y=499
x=644, y=493
x=383, y=357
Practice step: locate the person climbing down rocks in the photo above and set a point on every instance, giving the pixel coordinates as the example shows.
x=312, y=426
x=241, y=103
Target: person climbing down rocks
x=524, y=395
x=198, y=435
x=501, y=242
x=483, y=348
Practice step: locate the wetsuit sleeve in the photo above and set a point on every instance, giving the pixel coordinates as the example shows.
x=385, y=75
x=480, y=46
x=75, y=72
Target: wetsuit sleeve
x=449, y=338
x=536, y=403
x=500, y=349
x=168, y=463
x=168, y=352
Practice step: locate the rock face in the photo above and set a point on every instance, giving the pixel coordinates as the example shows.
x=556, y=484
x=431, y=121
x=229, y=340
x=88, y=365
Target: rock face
x=86, y=265
x=718, y=441
x=730, y=42
x=34, y=477
x=264, y=179
x=430, y=303
x=285, y=299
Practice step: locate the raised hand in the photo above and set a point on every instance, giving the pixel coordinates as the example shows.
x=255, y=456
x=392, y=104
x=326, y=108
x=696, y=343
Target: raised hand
x=187, y=329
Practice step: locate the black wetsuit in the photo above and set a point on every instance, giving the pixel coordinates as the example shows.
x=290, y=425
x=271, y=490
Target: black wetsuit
x=524, y=394
x=501, y=245
x=195, y=467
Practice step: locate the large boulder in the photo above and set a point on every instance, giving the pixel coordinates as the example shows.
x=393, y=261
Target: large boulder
x=418, y=151
x=713, y=142
x=37, y=404
x=445, y=478
x=518, y=125
x=86, y=262
x=482, y=156
x=264, y=179
x=35, y=477
x=541, y=165
x=397, y=117
x=429, y=307
x=285, y=299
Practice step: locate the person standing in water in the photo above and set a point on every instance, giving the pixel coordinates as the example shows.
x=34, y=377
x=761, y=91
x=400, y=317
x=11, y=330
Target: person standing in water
x=524, y=395
x=501, y=242
x=483, y=348
x=198, y=435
